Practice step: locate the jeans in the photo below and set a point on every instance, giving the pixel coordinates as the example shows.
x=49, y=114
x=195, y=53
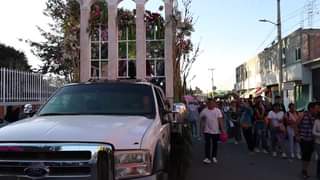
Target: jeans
x=211, y=140
x=261, y=135
x=236, y=131
x=277, y=140
x=307, y=148
x=194, y=128
x=247, y=133
x=294, y=147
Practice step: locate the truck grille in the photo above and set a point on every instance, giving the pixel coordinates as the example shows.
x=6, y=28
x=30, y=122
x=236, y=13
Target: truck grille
x=63, y=161
x=46, y=156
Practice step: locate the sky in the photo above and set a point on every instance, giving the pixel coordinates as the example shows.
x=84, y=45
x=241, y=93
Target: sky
x=228, y=32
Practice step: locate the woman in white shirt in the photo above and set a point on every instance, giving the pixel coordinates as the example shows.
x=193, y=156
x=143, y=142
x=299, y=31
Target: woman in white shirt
x=292, y=119
x=276, y=117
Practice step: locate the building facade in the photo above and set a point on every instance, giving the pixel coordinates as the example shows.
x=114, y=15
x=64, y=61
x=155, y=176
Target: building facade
x=105, y=55
x=300, y=68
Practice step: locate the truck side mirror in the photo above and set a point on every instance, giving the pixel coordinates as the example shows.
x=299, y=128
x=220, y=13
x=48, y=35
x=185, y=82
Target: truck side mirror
x=28, y=110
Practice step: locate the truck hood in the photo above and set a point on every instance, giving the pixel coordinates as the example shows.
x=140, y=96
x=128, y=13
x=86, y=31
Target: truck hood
x=124, y=132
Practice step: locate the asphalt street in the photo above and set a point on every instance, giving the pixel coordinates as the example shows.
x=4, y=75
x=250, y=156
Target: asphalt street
x=235, y=163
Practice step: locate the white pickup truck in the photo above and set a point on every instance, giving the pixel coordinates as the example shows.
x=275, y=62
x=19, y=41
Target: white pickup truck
x=91, y=131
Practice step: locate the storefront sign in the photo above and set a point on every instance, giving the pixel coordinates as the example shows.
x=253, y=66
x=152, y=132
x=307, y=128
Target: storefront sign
x=288, y=86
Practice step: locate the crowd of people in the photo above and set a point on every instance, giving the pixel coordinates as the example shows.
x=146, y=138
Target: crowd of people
x=265, y=127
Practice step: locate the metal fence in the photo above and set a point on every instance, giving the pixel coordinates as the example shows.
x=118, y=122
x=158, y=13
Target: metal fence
x=19, y=87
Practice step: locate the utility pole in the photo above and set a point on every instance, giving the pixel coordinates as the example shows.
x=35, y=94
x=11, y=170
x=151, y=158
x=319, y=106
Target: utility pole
x=280, y=60
x=212, y=80
x=311, y=11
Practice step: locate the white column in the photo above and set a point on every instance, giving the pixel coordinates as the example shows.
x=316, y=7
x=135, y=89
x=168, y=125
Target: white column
x=85, y=47
x=113, y=40
x=141, y=40
x=169, y=38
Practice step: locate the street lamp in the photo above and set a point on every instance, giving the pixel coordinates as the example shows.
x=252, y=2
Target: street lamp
x=278, y=24
x=268, y=21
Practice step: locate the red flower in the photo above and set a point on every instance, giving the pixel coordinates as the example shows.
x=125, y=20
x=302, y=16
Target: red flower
x=97, y=14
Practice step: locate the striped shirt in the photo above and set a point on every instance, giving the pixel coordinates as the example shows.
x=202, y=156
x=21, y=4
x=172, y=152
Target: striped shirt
x=306, y=126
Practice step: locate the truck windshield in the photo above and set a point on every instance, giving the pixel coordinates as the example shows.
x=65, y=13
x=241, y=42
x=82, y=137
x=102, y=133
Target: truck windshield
x=102, y=99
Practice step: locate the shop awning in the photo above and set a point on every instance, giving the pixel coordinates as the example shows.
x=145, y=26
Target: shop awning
x=248, y=93
x=254, y=92
x=260, y=90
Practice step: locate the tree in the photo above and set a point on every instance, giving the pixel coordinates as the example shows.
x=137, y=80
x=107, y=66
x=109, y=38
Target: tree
x=60, y=51
x=185, y=54
x=13, y=59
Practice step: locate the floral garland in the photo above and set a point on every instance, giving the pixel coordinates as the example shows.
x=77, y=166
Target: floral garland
x=154, y=20
x=98, y=16
x=126, y=18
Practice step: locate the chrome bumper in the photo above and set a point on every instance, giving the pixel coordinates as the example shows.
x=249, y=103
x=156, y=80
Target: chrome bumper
x=56, y=161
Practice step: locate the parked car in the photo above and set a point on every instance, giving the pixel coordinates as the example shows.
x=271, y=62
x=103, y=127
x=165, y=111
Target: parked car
x=91, y=131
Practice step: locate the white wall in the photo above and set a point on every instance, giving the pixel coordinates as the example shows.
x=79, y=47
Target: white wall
x=270, y=78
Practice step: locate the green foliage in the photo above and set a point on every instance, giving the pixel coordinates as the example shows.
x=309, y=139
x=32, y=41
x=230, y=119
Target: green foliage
x=59, y=52
x=98, y=16
x=13, y=59
x=126, y=18
x=186, y=54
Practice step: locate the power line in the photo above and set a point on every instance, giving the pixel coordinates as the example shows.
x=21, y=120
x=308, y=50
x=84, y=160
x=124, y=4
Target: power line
x=292, y=15
x=266, y=39
x=288, y=17
x=295, y=11
x=293, y=27
x=310, y=10
x=317, y=20
x=299, y=11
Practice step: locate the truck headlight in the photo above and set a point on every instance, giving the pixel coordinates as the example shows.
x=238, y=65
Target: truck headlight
x=130, y=164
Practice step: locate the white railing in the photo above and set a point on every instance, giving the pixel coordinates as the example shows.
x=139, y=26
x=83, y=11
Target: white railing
x=19, y=87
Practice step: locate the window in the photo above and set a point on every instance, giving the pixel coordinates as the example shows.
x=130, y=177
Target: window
x=155, y=51
x=102, y=99
x=258, y=68
x=127, y=51
x=298, y=54
x=160, y=101
x=99, y=53
x=269, y=65
x=284, y=61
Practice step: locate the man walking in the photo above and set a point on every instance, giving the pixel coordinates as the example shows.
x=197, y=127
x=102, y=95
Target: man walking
x=212, y=121
x=306, y=137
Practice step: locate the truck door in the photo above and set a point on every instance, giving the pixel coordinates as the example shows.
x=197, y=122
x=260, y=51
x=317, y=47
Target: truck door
x=165, y=128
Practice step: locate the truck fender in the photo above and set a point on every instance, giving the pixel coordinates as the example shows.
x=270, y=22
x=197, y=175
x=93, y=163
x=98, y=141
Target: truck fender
x=161, y=159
